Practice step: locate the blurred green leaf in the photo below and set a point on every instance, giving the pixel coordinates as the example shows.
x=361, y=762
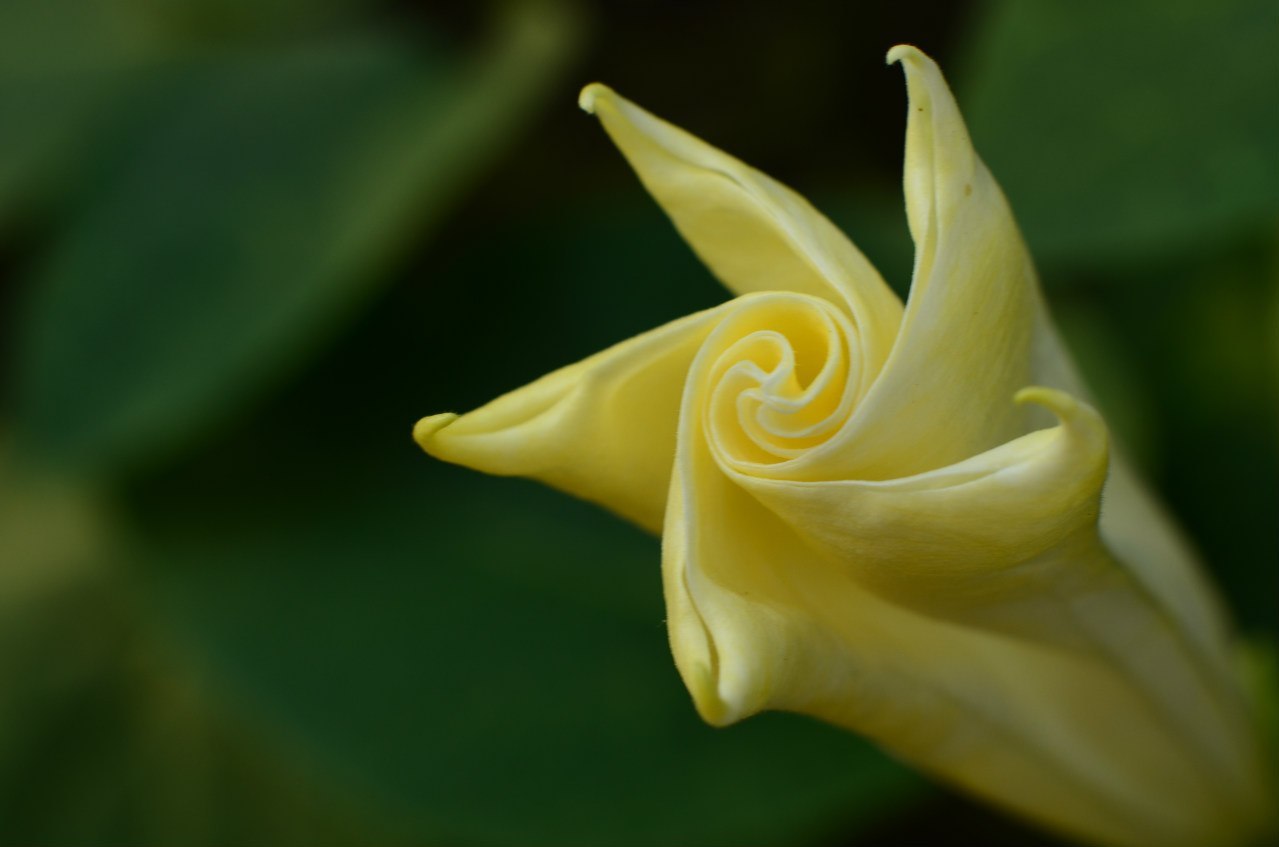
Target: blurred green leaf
x=66, y=69
x=1128, y=130
x=76, y=73
x=76, y=36
x=205, y=20
x=107, y=733
x=255, y=218
x=109, y=737
x=1259, y=664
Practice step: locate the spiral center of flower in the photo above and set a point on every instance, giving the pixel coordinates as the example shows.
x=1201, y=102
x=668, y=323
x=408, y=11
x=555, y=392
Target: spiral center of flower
x=781, y=378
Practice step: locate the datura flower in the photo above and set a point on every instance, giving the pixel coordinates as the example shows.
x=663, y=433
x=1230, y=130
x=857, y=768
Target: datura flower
x=905, y=520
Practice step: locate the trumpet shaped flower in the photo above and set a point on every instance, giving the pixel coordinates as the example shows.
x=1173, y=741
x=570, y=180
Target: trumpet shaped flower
x=906, y=520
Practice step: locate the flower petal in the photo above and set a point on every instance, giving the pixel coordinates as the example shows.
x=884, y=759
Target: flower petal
x=760, y=618
x=975, y=330
x=754, y=233
x=602, y=429
x=978, y=542
x=963, y=348
x=1007, y=541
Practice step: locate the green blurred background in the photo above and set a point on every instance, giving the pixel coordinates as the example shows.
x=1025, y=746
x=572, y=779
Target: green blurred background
x=244, y=245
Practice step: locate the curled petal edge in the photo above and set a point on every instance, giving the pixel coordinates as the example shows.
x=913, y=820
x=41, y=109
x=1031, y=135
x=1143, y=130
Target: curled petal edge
x=754, y=233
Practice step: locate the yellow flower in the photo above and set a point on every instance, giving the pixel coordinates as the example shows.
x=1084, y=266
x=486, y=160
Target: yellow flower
x=890, y=517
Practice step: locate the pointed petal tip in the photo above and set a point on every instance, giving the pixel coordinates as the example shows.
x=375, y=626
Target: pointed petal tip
x=904, y=53
x=424, y=431
x=1050, y=398
x=591, y=93
x=1077, y=415
x=915, y=62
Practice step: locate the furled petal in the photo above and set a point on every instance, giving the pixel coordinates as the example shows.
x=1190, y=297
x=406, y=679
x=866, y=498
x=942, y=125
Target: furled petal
x=963, y=347
x=982, y=541
x=974, y=332
x=754, y=233
x=975, y=306
x=602, y=429
x=1007, y=541
x=761, y=618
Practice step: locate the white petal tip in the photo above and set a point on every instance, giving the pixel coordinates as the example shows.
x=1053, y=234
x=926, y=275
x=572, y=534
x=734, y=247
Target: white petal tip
x=1058, y=401
x=1070, y=410
x=586, y=100
x=903, y=53
x=426, y=428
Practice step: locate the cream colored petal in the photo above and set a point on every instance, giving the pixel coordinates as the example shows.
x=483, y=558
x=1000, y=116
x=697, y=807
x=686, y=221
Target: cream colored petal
x=759, y=619
x=983, y=541
x=975, y=331
x=1006, y=541
x=754, y=233
x=963, y=348
x=602, y=429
